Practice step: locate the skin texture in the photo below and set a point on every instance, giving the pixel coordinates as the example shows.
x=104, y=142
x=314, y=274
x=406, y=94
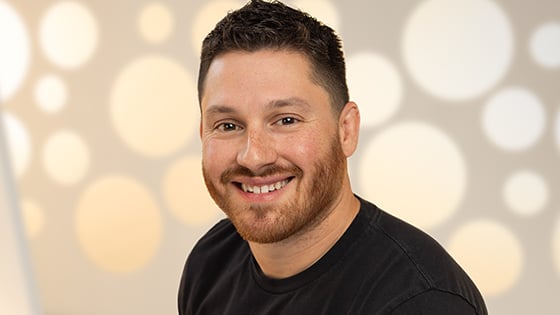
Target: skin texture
x=265, y=123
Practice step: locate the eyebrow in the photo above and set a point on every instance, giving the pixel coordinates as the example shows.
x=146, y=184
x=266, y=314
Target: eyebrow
x=292, y=101
x=278, y=103
x=219, y=109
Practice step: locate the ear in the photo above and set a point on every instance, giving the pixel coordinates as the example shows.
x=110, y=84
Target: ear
x=349, y=128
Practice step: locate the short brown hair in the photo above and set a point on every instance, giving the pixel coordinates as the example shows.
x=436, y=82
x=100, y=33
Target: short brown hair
x=272, y=25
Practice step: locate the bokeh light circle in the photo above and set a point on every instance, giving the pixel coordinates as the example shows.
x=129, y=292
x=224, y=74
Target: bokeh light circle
x=375, y=85
x=154, y=108
x=66, y=157
x=33, y=218
x=155, y=23
x=490, y=253
x=545, y=45
x=186, y=195
x=414, y=171
x=457, y=49
x=51, y=93
x=15, y=51
x=207, y=17
x=514, y=119
x=118, y=224
x=68, y=34
x=525, y=192
x=19, y=143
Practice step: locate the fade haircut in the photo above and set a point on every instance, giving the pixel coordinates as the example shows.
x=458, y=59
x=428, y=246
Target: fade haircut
x=272, y=25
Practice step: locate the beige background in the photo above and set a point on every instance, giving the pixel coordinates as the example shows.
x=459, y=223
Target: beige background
x=460, y=136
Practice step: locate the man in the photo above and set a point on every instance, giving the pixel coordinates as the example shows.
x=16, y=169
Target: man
x=277, y=128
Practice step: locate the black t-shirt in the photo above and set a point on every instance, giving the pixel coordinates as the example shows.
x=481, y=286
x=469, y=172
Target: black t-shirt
x=381, y=265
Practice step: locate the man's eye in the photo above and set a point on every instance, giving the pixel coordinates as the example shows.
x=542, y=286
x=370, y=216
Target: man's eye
x=288, y=121
x=227, y=126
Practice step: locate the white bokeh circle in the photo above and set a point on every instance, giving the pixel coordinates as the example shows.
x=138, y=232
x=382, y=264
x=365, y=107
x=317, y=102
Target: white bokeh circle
x=154, y=107
x=458, y=49
x=414, y=171
x=514, y=119
x=490, y=253
x=375, y=85
x=155, y=22
x=51, y=93
x=66, y=157
x=118, y=223
x=545, y=45
x=186, y=195
x=14, y=52
x=19, y=143
x=525, y=192
x=68, y=34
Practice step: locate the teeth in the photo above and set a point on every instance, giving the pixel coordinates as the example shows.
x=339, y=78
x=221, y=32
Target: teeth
x=265, y=188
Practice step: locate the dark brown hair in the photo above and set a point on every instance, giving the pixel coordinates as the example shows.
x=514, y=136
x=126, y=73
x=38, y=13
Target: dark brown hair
x=272, y=25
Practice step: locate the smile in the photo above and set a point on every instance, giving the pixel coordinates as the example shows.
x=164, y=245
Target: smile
x=265, y=188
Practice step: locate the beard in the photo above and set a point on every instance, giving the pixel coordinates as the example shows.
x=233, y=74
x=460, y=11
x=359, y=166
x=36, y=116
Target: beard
x=311, y=203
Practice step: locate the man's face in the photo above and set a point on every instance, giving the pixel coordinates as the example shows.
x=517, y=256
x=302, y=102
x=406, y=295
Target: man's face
x=272, y=158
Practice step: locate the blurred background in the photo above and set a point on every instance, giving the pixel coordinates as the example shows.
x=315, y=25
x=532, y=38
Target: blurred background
x=460, y=102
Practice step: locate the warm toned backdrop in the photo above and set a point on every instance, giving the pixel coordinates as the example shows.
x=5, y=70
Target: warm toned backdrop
x=460, y=102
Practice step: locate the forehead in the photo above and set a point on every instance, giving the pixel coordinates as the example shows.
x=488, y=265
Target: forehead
x=261, y=76
x=263, y=62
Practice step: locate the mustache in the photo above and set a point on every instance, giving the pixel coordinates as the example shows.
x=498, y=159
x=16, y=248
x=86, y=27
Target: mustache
x=239, y=170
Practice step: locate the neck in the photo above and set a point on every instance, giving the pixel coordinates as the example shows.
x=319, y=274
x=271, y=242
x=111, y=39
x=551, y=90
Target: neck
x=297, y=253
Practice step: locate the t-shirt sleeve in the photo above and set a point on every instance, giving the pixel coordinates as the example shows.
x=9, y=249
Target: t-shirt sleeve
x=435, y=302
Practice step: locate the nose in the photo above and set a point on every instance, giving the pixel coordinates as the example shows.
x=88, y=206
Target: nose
x=258, y=151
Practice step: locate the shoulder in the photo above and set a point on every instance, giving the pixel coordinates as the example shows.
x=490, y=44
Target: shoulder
x=421, y=250
x=212, y=258
x=420, y=257
x=210, y=254
x=220, y=240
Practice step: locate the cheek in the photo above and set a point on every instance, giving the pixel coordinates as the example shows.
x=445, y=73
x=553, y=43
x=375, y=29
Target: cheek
x=304, y=149
x=216, y=155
